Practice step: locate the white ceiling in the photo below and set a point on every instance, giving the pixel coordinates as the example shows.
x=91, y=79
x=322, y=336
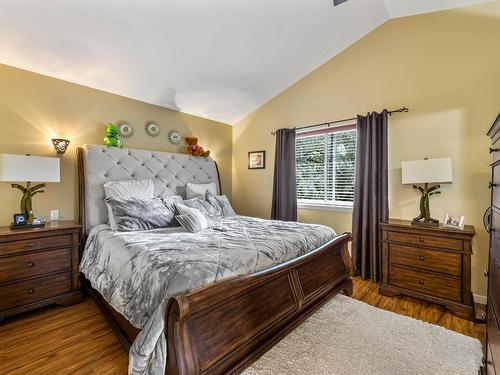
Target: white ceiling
x=219, y=59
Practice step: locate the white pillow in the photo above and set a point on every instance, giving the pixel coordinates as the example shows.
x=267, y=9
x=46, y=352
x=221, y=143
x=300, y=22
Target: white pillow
x=126, y=189
x=199, y=190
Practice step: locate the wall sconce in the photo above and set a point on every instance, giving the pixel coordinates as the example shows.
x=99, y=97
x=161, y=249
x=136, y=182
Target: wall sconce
x=60, y=145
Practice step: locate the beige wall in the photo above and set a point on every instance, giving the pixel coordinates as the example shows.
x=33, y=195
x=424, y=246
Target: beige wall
x=445, y=67
x=35, y=108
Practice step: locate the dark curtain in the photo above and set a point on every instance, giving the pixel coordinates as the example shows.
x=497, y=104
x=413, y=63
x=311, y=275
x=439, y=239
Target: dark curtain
x=285, y=180
x=371, y=204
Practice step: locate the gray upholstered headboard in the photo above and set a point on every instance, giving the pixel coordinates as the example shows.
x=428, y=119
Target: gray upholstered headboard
x=171, y=172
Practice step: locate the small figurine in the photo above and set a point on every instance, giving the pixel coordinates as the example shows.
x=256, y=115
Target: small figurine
x=194, y=148
x=111, y=139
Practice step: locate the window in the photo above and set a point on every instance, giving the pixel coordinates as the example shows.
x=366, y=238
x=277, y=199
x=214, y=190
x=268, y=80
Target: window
x=326, y=167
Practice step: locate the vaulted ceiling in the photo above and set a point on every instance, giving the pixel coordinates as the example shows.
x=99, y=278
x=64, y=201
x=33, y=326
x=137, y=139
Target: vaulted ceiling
x=218, y=59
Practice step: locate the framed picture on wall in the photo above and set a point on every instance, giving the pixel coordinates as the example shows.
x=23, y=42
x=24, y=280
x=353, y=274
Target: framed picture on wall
x=257, y=160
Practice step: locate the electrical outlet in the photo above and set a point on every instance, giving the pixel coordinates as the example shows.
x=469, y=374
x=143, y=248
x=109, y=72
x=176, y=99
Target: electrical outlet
x=54, y=215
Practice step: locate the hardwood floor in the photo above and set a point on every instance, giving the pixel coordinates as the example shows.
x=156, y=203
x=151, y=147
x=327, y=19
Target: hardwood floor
x=78, y=340
x=60, y=340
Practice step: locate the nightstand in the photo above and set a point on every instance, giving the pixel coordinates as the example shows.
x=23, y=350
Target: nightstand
x=38, y=267
x=430, y=263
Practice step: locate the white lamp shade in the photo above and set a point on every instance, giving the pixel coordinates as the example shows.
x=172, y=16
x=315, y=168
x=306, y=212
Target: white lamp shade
x=21, y=168
x=426, y=171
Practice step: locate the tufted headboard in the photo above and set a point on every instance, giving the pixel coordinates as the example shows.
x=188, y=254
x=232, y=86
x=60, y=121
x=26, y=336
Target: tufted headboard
x=171, y=172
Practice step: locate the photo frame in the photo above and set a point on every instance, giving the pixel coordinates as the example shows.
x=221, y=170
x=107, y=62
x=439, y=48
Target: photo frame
x=19, y=220
x=454, y=221
x=257, y=160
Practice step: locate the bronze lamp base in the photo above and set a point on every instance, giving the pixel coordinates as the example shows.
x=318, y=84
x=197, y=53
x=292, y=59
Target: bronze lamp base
x=26, y=203
x=425, y=214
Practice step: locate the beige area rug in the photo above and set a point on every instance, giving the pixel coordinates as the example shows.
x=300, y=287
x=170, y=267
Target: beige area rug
x=350, y=337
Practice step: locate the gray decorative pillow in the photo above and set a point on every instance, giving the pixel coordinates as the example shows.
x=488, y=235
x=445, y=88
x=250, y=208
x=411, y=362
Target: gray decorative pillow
x=126, y=189
x=192, y=220
x=222, y=202
x=204, y=206
x=199, y=190
x=169, y=202
x=134, y=214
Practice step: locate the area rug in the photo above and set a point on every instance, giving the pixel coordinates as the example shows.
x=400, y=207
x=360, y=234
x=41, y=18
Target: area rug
x=350, y=337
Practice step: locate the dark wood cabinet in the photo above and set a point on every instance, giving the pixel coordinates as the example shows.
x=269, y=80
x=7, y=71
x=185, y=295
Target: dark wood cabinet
x=492, y=361
x=430, y=263
x=38, y=267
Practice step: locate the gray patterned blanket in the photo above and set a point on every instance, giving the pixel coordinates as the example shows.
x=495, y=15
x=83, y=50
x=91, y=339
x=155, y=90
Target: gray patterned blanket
x=137, y=272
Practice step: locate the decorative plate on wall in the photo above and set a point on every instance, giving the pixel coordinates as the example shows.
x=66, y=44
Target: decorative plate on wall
x=126, y=130
x=174, y=137
x=152, y=129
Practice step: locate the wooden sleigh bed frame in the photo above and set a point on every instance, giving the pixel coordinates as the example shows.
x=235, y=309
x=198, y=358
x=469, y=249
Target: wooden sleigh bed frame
x=224, y=327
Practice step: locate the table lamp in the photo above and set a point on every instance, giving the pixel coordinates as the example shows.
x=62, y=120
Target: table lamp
x=20, y=168
x=427, y=171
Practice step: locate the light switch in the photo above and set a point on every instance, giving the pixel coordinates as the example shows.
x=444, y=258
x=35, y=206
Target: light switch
x=54, y=215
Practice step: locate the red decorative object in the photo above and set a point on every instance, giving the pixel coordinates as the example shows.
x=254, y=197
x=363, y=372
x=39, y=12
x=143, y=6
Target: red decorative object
x=194, y=148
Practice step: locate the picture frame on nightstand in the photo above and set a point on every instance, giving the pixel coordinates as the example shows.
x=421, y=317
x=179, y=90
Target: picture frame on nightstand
x=454, y=221
x=19, y=220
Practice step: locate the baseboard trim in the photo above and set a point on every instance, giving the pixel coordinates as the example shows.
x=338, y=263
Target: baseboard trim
x=480, y=299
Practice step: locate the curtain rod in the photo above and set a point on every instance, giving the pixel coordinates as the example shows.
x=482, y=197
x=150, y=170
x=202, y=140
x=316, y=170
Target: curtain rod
x=402, y=109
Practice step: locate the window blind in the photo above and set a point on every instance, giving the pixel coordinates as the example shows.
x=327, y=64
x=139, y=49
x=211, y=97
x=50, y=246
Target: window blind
x=325, y=162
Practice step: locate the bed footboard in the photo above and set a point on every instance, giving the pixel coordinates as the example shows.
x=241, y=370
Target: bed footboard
x=225, y=327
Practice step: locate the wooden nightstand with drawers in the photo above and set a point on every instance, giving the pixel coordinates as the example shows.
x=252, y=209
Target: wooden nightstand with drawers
x=38, y=267
x=430, y=263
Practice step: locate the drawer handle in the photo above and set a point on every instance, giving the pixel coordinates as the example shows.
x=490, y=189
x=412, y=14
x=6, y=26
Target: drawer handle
x=421, y=239
x=491, y=185
x=486, y=273
x=30, y=291
x=30, y=264
x=30, y=244
x=421, y=257
x=421, y=282
x=492, y=150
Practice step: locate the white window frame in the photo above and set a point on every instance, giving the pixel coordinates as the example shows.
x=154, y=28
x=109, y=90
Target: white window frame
x=309, y=204
x=317, y=204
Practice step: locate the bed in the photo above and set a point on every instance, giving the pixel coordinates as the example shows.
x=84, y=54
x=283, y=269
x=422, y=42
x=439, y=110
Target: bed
x=219, y=322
